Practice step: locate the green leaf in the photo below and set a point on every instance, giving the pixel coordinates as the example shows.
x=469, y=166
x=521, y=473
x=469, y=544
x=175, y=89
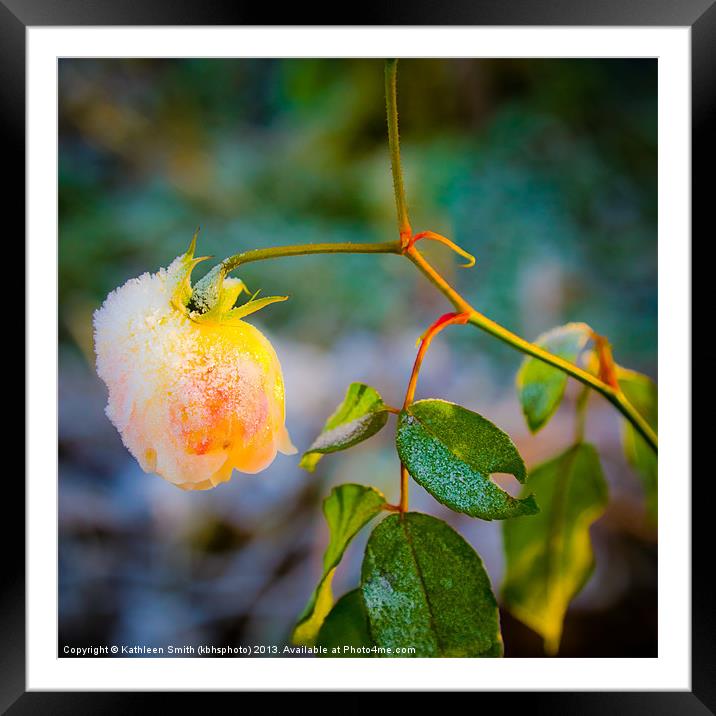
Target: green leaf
x=346, y=509
x=641, y=392
x=540, y=386
x=425, y=587
x=549, y=556
x=361, y=414
x=452, y=452
x=346, y=628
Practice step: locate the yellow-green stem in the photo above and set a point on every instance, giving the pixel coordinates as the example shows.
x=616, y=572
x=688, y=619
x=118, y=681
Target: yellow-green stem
x=616, y=398
x=275, y=252
x=391, y=106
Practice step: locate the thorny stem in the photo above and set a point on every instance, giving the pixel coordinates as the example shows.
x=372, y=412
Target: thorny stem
x=404, y=247
x=614, y=395
x=391, y=106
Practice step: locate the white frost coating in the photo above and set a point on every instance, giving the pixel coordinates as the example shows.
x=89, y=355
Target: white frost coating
x=192, y=400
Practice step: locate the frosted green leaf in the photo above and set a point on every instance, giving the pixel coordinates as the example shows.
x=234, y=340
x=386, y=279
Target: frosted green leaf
x=549, y=556
x=452, y=452
x=346, y=626
x=540, y=386
x=346, y=509
x=425, y=587
x=641, y=392
x=361, y=415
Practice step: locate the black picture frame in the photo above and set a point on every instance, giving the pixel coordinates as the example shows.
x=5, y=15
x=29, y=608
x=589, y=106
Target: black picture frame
x=699, y=15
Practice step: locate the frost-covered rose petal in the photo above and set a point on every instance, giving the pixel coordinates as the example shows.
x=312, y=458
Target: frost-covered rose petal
x=194, y=397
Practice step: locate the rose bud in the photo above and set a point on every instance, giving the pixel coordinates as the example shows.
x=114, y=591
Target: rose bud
x=194, y=391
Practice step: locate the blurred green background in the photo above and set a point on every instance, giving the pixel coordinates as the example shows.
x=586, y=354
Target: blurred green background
x=545, y=170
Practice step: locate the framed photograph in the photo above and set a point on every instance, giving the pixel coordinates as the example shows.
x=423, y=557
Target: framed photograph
x=352, y=342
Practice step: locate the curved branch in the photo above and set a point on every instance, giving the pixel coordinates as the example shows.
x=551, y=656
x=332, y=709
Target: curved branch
x=616, y=398
x=276, y=252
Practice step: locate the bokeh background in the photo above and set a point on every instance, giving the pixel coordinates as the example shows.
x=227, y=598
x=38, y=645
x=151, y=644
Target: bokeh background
x=544, y=169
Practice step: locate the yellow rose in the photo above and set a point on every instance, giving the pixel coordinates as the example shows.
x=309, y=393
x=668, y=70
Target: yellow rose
x=194, y=394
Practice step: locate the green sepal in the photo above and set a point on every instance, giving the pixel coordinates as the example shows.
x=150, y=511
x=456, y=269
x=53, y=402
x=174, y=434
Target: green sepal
x=183, y=290
x=214, y=297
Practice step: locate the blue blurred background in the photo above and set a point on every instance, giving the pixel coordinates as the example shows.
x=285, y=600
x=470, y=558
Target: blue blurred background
x=544, y=169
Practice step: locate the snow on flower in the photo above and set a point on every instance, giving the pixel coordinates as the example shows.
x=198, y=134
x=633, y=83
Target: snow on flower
x=194, y=395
